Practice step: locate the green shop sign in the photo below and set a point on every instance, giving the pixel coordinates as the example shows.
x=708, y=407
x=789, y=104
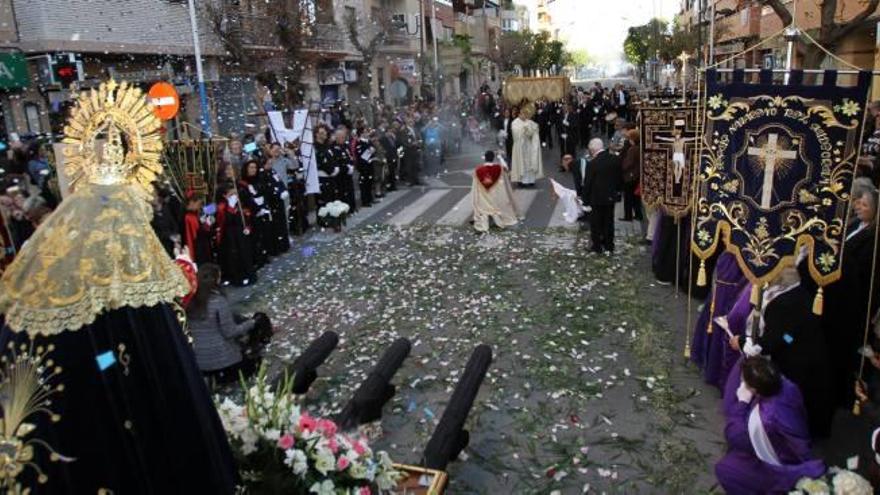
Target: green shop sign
x=13, y=71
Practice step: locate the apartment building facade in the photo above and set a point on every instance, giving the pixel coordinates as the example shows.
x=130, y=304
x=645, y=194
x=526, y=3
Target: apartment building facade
x=741, y=24
x=48, y=48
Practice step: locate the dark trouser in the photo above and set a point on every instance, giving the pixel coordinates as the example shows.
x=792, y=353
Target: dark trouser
x=345, y=190
x=391, y=173
x=632, y=207
x=329, y=190
x=298, y=216
x=602, y=228
x=365, y=182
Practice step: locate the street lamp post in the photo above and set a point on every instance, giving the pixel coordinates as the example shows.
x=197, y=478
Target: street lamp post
x=436, y=56
x=197, y=49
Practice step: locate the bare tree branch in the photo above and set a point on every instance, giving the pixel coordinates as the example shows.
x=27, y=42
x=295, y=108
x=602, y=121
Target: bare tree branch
x=222, y=23
x=379, y=26
x=839, y=31
x=780, y=10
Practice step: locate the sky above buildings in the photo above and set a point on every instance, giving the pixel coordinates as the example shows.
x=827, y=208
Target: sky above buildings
x=600, y=26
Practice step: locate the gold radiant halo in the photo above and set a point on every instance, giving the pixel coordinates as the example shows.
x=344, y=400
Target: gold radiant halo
x=116, y=110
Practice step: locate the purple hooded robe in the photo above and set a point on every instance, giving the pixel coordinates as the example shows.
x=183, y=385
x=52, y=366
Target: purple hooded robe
x=708, y=350
x=783, y=417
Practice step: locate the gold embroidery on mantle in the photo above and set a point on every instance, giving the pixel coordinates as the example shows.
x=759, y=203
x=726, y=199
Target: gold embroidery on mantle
x=97, y=251
x=25, y=391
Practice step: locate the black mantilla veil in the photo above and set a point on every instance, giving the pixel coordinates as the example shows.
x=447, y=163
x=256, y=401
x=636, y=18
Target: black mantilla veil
x=99, y=389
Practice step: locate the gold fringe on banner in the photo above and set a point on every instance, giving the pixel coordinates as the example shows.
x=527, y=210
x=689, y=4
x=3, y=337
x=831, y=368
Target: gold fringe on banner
x=818, y=302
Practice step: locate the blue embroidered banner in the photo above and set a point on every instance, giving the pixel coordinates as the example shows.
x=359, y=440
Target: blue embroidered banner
x=776, y=170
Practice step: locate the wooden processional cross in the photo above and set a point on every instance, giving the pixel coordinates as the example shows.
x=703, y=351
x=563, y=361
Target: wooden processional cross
x=770, y=154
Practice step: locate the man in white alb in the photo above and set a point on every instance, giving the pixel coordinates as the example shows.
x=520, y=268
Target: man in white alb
x=526, y=166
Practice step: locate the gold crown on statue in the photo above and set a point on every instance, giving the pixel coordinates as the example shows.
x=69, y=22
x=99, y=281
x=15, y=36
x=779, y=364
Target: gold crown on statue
x=120, y=115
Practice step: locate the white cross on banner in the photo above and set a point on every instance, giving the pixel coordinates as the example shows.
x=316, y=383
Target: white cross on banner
x=769, y=154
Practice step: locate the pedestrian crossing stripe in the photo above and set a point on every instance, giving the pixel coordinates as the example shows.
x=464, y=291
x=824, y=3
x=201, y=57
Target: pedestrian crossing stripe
x=420, y=206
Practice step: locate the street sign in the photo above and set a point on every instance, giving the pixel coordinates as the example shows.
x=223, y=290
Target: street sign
x=13, y=71
x=165, y=100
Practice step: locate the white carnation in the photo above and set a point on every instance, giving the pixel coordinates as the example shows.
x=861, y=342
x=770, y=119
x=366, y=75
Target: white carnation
x=324, y=488
x=297, y=461
x=850, y=483
x=325, y=461
x=813, y=487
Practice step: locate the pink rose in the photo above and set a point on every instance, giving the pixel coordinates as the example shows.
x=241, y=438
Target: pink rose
x=285, y=442
x=333, y=445
x=358, y=447
x=364, y=490
x=342, y=463
x=327, y=427
x=307, y=423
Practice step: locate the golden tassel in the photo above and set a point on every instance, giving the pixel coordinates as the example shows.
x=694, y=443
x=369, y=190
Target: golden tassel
x=687, y=351
x=701, y=274
x=857, y=408
x=818, y=302
x=756, y=295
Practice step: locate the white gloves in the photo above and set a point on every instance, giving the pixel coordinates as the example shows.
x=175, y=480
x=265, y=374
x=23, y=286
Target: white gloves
x=743, y=393
x=285, y=195
x=335, y=172
x=258, y=200
x=350, y=169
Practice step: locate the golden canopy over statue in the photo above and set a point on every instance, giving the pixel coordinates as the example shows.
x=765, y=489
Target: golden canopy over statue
x=97, y=251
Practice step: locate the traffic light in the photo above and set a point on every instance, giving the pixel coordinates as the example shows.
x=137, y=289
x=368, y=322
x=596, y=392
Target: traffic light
x=65, y=73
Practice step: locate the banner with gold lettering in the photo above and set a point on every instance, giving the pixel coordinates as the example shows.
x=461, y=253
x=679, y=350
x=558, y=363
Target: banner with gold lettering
x=776, y=169
x=669, y=155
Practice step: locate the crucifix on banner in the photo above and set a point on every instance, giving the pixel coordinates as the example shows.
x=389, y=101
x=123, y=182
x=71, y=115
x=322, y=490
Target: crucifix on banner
x=771, y=154
x=677, y=142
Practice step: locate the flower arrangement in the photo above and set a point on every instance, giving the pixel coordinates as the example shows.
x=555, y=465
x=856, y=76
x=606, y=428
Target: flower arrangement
x=333, y=214
x=282, y=449
x=836, y=482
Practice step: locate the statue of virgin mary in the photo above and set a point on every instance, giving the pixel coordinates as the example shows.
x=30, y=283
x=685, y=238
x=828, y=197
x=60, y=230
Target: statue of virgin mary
x=99, y=387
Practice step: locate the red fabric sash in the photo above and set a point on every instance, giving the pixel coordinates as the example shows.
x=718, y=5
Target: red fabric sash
x=488, y=174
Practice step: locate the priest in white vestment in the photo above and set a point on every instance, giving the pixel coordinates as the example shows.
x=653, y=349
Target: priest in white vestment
x=526, y=166
x=492, y=195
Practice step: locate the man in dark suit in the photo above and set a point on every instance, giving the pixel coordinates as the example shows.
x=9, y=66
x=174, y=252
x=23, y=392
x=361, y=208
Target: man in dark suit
x=568, y=131
x=602, y=180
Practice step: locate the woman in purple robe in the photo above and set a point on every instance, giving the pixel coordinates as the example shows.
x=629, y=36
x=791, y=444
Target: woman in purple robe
x=710, y=343
x=766, y=431
x=733, y=324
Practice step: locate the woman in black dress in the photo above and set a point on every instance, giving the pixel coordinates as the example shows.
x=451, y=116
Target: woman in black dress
x=235, y=251
x=256, y=210
x=274, y=191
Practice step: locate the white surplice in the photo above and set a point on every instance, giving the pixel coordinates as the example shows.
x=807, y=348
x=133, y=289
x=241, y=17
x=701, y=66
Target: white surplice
x=525, y=164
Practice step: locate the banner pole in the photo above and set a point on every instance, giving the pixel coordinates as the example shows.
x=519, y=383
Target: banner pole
x=677, y=255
